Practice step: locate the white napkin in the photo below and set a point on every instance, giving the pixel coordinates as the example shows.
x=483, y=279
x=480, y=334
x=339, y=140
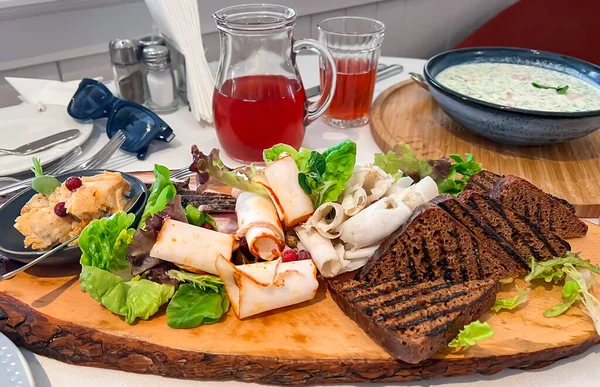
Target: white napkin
x=179, y=21
x=46, y=91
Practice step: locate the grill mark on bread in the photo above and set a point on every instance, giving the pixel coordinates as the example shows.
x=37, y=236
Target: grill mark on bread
x=527, y=238
x=415, y=320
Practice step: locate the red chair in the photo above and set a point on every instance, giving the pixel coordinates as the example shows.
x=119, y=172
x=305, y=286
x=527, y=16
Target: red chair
x=568, y=27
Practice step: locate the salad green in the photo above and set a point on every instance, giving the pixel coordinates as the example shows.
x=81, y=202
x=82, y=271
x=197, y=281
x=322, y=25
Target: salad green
x=513, y=302
x=450, y=177
x=552, y=270
x=161, y=191
x=472, y=334
x=323, y=176
x=198, y=218
x=41, y=183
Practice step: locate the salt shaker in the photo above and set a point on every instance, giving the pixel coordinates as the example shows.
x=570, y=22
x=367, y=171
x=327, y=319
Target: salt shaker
x=150, y=41
x=160, y=86
x=127, y=70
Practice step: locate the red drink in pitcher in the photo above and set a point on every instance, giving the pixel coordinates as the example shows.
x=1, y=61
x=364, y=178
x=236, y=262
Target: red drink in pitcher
x=354, y=89
x=254, y=112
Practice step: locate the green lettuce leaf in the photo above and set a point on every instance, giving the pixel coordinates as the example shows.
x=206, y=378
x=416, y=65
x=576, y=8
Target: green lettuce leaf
x=513, y=302
x=103, y=243
x=323, y=176
x=198, y=218
x=570, y=295
x=472, y=334
x=192, y=306
x=450, y=177
x=200, y=281
x=133, y=299
x=552, y=269
x=240, y=178
x=161, y=192
x=591, y=303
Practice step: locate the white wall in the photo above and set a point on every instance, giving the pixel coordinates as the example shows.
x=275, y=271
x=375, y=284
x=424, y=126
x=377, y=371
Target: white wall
x=71, y=41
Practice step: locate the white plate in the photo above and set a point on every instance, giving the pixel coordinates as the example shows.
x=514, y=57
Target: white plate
x=14, y=371
x=23, y=123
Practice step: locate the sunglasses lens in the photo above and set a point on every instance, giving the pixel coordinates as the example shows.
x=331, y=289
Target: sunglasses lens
x=88, y=101
x=137, y=125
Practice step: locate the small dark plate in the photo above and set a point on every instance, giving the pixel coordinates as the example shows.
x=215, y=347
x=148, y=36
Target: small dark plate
x=11, y=240
x=508, y=125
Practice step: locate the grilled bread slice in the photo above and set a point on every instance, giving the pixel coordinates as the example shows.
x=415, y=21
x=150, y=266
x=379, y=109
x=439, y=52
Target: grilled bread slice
x=413, y=322
x=532, y=203
x=528, y=238
x=484, y=231
x=484, y=182
x=432, y=245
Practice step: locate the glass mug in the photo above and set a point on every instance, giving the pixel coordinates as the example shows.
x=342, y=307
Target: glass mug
x=259, y=99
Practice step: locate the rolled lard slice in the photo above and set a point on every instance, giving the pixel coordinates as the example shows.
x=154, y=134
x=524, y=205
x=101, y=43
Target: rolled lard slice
x=329, y=261
x=374, y=223
x=367, y=184
x=422, y=192
x=259, y=223
x=280, y=178
x=260, y=287
x=400, y=187
x=190, y=247
x=327, y=219
x=354, y=260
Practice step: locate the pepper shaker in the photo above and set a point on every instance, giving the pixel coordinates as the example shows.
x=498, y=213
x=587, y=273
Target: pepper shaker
x=127, y=70
x=161, y=92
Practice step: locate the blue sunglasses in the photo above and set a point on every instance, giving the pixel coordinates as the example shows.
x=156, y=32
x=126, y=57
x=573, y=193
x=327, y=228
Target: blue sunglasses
x=140, y=125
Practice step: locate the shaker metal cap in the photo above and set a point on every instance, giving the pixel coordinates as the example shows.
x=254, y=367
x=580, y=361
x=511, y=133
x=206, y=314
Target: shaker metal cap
x=156, y=55
x=151, y=41
x=123, y=52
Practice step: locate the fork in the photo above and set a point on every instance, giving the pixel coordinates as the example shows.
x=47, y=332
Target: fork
x=63, y=166
x=55, y=169
x=181, y=173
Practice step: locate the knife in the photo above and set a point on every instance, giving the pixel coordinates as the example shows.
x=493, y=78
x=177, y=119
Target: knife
x=383, y=72
x=44, y=143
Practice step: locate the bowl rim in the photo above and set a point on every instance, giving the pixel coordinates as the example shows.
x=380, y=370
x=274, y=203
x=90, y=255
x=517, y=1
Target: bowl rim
x=538, y=113
x=34, y=254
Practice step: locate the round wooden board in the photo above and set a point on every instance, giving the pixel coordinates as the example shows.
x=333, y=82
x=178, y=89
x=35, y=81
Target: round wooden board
x=571, y=170
x=45, y=311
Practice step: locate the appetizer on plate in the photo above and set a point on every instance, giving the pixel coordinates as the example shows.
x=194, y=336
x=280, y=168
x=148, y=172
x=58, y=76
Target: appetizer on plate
x=59, y=212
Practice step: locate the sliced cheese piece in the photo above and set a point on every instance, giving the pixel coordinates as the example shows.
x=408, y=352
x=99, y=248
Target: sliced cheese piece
x=260, y=287
x=327, y=219
x=374, y=223
x=280, y=178
x=258, y=221
x=191, y=247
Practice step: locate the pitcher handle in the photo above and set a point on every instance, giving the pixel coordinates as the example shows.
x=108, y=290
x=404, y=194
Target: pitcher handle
x=327, y=63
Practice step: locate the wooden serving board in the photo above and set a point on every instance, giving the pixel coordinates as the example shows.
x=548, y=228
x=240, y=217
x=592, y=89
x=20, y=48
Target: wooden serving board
x=571, y=170
x=45, y=311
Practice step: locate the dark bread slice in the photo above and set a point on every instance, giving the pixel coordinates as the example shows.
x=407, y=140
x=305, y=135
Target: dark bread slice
x=504, y=251
x=430, y=246
x=532, y=203
x=529, y=239
x=413, y=322
x=484, y=182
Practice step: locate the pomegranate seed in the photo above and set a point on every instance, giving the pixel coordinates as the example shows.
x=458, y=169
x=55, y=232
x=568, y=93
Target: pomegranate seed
x=73, y=183
x=290, y=256
x=207, y=226
x=60, y=209
x=303, y=254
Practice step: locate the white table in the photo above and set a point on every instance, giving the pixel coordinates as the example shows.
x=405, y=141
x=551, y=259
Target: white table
x=580, y=371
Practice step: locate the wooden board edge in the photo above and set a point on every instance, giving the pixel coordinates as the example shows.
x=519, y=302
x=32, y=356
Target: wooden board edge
x=75, y=344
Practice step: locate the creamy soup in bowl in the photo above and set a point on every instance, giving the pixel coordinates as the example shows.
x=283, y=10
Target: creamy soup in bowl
x=521, y=86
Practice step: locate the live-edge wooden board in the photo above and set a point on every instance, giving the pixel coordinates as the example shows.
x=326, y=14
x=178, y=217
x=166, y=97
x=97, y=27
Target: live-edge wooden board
x=45, y=311
x=571, y=170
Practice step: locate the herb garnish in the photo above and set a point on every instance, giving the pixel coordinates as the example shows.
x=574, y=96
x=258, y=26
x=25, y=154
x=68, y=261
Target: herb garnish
x=559, y=89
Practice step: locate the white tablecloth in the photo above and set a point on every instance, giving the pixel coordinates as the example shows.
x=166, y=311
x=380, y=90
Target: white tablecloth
x=580, y=371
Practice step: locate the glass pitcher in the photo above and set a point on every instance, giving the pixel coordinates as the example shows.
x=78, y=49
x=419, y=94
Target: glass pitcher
x=259, y=99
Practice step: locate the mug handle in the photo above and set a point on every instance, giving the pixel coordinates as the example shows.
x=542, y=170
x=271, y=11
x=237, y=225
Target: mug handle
x=327, y=65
